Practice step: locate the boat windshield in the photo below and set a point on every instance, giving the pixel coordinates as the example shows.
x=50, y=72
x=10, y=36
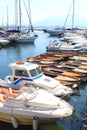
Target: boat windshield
x=22, y=73
x=32, y=89
x=28, y=92
x=29, y=88
x=35, y=72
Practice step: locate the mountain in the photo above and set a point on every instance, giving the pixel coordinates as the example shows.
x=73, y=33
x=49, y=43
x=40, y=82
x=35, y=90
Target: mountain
x=60, y=21
x=51, y=21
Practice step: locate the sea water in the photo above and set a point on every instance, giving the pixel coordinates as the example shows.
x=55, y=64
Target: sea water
x=21, y=51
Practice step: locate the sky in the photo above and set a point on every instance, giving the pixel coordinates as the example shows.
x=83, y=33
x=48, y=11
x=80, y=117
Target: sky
x=41, y=9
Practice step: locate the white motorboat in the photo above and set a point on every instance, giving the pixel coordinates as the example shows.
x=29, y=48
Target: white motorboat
x=69, y=46
x=29, y=103
x=3, y=42
x=25, y=72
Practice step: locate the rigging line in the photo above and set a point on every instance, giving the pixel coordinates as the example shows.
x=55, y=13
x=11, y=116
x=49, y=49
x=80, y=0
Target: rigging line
x=67, y=15
x=28, y=16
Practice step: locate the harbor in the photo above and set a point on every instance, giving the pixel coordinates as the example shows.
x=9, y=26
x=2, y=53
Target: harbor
x=77, y=100
x=43, y=65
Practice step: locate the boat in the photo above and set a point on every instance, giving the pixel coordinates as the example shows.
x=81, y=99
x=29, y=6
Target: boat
x=29, y=36
x=81, y=58
x=56, y=31
x=28, y=104
x=26, y=38
x=67, y=46
x=44, y=61
x=49, y=58
x=60, y=31
x=58, y=74
x=25, y=72
x=76, y=64
x=70, y=75
x=3, y=42
x=73, y=68
x=74, y=37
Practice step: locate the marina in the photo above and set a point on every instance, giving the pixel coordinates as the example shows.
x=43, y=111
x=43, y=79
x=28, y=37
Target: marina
x=43, y=65
x=33, y=50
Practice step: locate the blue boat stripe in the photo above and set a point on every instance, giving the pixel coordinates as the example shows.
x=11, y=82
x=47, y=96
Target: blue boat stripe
x=27, y=79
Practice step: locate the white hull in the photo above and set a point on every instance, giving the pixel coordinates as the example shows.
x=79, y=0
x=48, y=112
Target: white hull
x=4, y=42
x=29, y=39
x=29, y=103
x=26, y=115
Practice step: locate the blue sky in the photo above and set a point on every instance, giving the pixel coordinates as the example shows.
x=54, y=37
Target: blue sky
x=42, y=9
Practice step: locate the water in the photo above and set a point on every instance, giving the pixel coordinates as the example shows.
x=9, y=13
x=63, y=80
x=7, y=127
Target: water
x=17, y=52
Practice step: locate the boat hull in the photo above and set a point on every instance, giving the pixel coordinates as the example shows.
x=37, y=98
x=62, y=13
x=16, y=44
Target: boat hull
x=22, y=120
x=26, y=40
x=26, y=117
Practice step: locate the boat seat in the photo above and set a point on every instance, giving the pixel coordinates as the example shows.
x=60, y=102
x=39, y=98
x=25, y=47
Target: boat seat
x=2, y=98
x=13, y=93
x=2, y=91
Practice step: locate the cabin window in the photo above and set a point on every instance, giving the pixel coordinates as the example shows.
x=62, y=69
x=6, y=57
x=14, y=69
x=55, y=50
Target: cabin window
x=22, y=73
x=39, y=70
x=33, y=72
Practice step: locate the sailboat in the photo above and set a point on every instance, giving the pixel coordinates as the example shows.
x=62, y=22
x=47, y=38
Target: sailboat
x=28, y=37
x=20, y=36
x=60, y=31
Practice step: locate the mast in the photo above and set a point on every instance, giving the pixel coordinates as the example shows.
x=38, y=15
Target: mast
x=30, y=16
x=73, y=14
x=72, y=6
x=67, y=16
x=7, y=17
x=16, y=14
x=19, y=15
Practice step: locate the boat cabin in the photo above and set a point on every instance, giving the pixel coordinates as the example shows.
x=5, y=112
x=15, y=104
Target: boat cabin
x=25, y=72
x=24, y=69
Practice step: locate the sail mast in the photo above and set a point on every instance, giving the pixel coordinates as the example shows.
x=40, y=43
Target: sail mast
x=20, y=15
x=73, y=14
x=7, y=17
x=30, y=16
x=16, y=14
